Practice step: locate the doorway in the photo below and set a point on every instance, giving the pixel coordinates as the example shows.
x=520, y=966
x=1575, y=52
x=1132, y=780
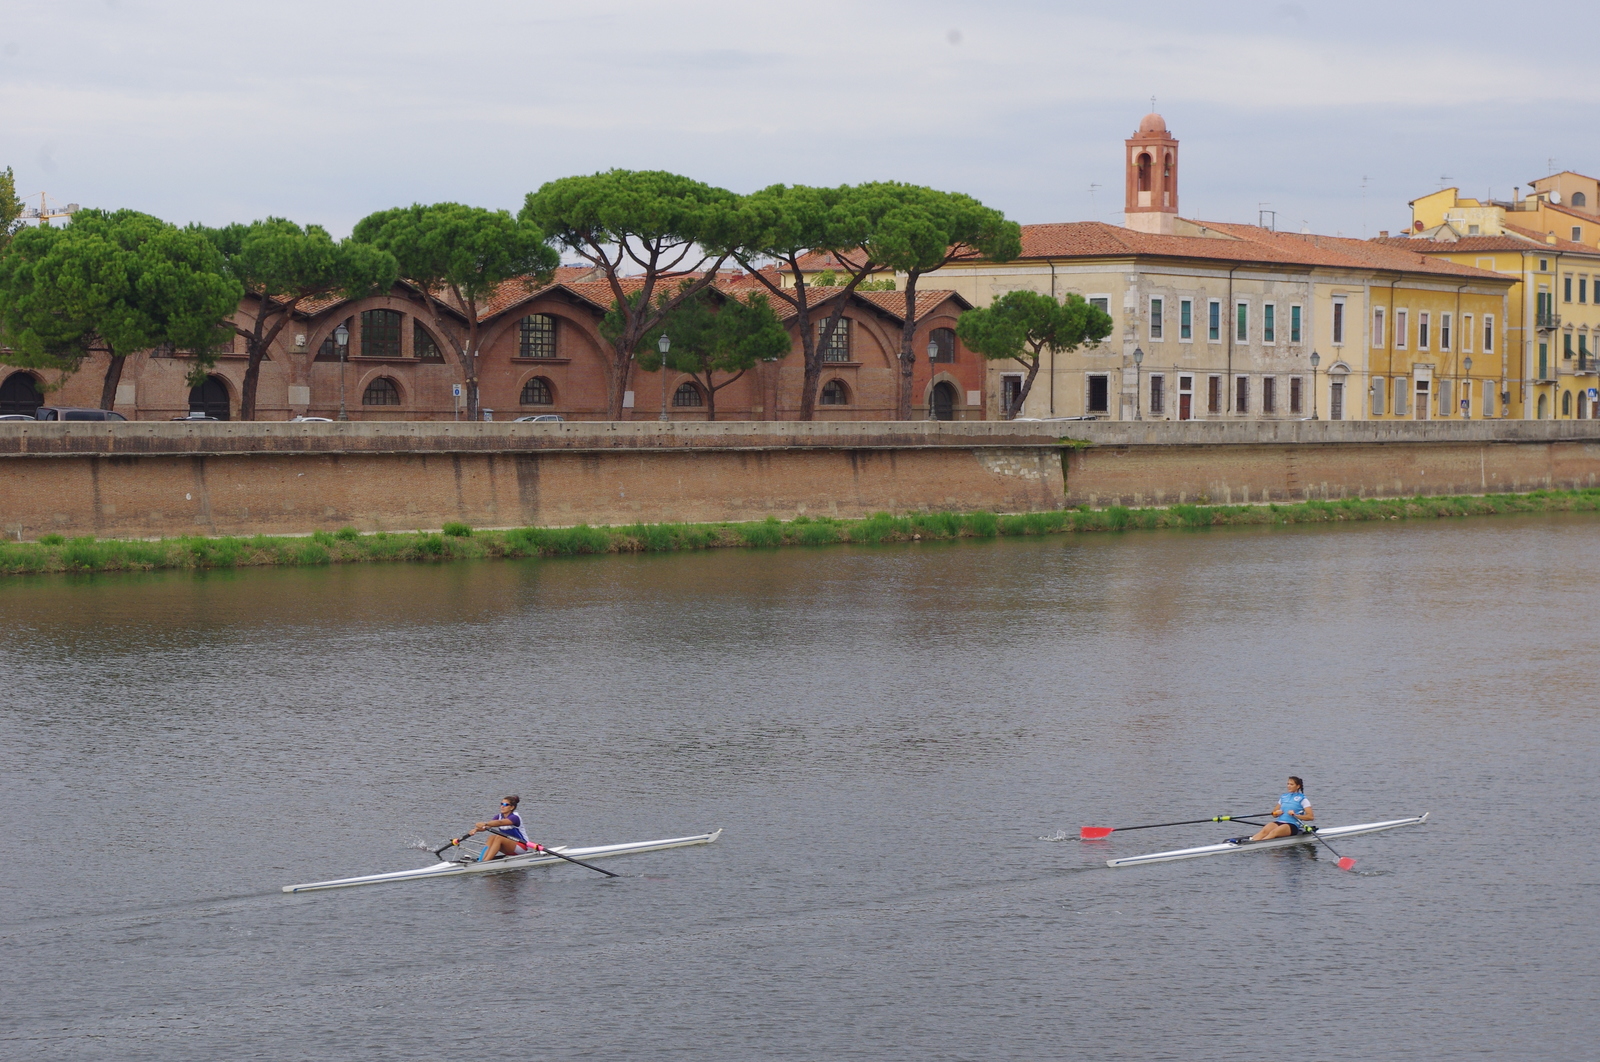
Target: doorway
x=1421, y=410
x=20, y=395
x=210, y=398
x=1336, y=400
x=1185, y=397
x=942, y=404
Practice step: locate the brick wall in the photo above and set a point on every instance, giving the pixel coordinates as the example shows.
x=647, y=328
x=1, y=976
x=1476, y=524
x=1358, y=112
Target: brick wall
x=151, y=479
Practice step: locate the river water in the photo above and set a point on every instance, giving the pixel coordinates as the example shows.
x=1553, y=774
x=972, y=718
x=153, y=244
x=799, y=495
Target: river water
x=889, y=737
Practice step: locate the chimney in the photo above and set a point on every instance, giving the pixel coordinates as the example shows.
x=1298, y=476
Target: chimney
x=1383, y=234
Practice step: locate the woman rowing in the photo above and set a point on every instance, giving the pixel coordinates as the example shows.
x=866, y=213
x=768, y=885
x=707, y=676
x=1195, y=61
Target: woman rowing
x=1293, y=810
x=505, y=833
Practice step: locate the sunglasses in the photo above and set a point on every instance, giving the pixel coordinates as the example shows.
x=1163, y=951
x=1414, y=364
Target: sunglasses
x=505, y=803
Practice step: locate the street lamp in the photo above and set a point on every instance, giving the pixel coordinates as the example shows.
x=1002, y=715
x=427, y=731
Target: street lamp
x=664, y=345
x=341, y=336
x=1316, y=359
x=1138, y=356
x=1466, y=399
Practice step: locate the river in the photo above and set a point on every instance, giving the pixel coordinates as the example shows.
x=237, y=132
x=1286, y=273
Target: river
x=891, y=738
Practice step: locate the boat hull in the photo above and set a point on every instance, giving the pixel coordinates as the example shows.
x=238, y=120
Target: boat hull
x=500, y=866
x=1331, y=833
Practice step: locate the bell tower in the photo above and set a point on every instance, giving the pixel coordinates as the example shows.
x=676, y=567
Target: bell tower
x=1152, y=169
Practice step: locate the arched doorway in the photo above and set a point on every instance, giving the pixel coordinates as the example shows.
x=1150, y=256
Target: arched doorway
x=210, y=398
x=942, y=403
x=20, y=394
x=1544, y=407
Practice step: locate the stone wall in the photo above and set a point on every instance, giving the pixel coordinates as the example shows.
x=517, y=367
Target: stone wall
x=149, y=479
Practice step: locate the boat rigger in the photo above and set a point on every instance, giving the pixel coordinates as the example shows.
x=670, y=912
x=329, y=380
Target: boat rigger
x=1331, y=833
x=522, y=862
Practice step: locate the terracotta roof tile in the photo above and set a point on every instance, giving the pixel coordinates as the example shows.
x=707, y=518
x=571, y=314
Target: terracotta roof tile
x=1231, y=243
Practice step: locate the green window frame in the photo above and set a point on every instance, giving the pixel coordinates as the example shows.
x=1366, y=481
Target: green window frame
x=1294, y=324
x=1241, y=330
x=1185, y=319
x=1269, y=323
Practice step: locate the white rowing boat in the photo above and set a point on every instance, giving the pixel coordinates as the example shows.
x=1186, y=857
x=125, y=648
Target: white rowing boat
x=522, y=862
x=1330, y=833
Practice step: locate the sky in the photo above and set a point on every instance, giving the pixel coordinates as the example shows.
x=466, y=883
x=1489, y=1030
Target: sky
x=1332, y=115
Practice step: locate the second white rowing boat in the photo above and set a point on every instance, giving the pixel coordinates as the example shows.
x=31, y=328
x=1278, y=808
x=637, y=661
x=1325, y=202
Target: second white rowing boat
x=1332, y=833
x=522, y=862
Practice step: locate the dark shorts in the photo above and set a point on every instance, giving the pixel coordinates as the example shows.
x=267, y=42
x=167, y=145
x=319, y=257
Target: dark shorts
x=1294, y=827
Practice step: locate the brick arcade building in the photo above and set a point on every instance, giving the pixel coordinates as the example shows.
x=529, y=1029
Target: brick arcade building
x=541, y=352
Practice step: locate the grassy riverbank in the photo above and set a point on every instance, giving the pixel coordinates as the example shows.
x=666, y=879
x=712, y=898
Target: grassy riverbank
x=53, y=553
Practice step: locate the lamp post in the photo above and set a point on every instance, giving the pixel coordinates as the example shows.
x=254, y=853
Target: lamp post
x=933, y=354
x=341, y=336
x=1316, y=359
x=1466, y=399
x=1138, y=357
x=664, y=345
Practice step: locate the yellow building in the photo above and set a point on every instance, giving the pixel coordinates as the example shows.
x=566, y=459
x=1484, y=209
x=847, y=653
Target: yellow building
x=1549, y=243
x=1224, y=321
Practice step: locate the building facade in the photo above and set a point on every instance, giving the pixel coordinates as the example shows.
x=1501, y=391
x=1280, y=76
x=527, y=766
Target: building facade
x=541, y=351
x=1553, y=306
x=1217, y=320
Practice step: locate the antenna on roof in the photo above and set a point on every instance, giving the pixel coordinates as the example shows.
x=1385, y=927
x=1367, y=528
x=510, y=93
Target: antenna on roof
x=1364, y=180
x=1093, y=187
x=1444, y=180
x=1550, y=165
x=1152, y=104
x=1262, y=214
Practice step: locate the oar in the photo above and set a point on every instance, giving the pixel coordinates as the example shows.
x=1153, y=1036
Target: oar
x=1094, y=833
x=581, y=863
x=1345, y=862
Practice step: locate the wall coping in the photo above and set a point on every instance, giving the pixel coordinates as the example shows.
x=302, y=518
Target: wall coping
x=156, y=438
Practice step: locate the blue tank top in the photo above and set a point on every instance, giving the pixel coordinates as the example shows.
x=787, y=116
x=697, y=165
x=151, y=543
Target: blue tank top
x=1291, y=803
x=514, y=831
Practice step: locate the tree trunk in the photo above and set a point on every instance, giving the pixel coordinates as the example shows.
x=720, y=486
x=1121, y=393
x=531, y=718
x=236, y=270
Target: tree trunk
x=617, y=382
x=1027, y=382
x=252, y=376
x=108, y=390
x=908, y=358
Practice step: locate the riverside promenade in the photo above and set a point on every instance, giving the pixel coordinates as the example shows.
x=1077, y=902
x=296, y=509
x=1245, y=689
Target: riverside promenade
x=150, y=478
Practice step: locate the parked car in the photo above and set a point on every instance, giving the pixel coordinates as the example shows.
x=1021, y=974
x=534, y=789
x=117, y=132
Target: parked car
x=16, y=416
x=198, y=416
x=539, y=418
x=310, y=420
x=75, y=413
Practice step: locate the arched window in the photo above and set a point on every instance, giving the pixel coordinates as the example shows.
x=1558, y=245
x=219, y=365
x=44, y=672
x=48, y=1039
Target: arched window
x=537, y=338
x=1566, y=403
x=422, y=344
x=943, y=340
x=329, y=350
x=1544, y=407
x=20, y=394
x=689, y=395
x=835, y=393
x=538, y=392
x=380, y=333
x=1144, y=171
x=381, y=392
x=1579, y=199
x=210, y=398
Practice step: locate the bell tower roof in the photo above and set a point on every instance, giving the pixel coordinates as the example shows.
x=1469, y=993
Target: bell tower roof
x=1152, y=124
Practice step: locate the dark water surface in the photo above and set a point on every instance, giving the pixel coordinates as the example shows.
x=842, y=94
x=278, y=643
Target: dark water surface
x=887, y=736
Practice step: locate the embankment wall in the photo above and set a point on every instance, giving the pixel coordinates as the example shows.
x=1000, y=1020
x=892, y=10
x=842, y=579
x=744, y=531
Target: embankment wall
x=149, y=479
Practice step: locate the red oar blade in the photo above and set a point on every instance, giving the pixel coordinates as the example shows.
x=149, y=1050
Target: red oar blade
x=1346, y=863
x=1094, y=833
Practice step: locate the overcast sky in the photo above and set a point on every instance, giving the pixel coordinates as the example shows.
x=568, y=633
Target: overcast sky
x=216, y=111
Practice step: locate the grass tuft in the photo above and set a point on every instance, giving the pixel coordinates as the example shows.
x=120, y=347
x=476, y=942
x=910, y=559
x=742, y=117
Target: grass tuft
x=55, y=553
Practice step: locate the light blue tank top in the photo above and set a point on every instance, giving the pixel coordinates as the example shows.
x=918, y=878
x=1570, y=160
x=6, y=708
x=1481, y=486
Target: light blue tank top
x=1291, y=803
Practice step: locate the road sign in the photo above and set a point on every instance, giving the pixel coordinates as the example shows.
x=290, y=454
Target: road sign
x=455, y=390
x=1593, y=394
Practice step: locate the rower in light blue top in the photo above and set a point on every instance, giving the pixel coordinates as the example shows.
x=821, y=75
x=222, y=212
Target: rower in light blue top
x=1289, y=817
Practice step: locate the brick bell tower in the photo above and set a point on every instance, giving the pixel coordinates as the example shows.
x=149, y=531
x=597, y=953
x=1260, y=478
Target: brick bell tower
x=1152, y=165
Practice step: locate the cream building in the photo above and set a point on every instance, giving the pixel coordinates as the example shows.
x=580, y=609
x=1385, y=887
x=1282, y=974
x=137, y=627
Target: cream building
x=1217, y=320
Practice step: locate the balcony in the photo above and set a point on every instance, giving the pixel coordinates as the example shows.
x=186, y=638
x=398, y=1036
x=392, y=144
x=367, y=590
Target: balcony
x=1546, y=320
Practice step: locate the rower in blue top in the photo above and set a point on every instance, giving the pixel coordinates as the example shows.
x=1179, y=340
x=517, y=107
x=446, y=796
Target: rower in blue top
x=1290, y=816
x=505, y=833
